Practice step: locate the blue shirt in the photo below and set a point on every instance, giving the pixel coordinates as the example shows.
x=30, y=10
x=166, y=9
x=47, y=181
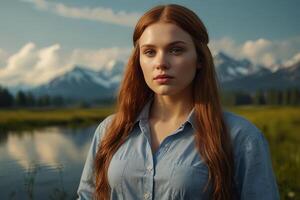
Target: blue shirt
x=176, y=170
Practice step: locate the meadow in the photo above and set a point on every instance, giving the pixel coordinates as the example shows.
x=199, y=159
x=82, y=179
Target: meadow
x=280, y=125
x=20, y=119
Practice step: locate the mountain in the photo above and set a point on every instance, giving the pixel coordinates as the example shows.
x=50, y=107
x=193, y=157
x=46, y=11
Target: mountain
x=83, y=83
x=233, y=75
x=229, y=69
x=113, y=72
x=288, y=77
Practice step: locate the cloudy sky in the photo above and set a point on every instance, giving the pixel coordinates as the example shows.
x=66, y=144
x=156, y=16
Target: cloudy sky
x=40, y=39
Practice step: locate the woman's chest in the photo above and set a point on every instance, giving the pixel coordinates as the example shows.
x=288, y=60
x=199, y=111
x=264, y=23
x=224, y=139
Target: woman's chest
x=175, y=171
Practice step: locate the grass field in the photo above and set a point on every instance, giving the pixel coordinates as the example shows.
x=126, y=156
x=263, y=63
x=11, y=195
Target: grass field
x=280, y=125
x=31, y=118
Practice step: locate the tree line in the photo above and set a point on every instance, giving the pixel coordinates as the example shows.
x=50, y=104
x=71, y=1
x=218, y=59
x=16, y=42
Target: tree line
x=268, y=97
x=289, y=96
x=27, y=99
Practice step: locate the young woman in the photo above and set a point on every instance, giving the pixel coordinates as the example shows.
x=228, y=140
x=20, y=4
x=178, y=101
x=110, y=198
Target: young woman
x=169, y=138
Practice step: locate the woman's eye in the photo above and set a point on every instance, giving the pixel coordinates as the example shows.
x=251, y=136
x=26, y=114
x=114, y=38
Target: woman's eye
x=149, y=52
x=176, y=50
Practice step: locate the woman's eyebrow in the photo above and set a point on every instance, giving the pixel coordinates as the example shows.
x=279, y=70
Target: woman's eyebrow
x=170, y=44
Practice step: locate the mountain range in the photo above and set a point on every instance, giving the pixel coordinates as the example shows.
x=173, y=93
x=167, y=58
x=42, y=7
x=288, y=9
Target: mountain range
x=233, y=75
x=283, y=78
x=83, y=83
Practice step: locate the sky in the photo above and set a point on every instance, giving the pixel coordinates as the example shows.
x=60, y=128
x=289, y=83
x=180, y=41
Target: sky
x=41, y=39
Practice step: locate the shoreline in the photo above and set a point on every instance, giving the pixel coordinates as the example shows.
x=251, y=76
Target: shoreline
x=30, y=118
x=26, y=119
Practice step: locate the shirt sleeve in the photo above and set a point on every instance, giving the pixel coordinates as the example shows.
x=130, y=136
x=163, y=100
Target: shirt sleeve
x=87, y=182
x=254, y=174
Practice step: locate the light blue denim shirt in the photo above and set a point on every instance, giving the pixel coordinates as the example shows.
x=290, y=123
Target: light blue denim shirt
x=176, y=170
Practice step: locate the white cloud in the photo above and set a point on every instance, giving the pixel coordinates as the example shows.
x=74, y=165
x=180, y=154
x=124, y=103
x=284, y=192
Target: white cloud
x=23, y=60
x=101, y=14
x=260, y=51
x=224, y=44
x=97, y=59
x=253, y=48
x=48, y=56
x=48, y=65
x=33, y=66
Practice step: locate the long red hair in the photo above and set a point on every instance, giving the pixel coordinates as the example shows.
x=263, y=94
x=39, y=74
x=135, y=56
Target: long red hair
x=211, y=137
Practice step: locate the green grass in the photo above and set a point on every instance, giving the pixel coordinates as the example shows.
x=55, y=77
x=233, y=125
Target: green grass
x=281, y=126
x=31, y=118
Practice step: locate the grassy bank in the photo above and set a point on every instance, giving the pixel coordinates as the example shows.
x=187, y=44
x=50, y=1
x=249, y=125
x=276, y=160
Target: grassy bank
x=31, y=118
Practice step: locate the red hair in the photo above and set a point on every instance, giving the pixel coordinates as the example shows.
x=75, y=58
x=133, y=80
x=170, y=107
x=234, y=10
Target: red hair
x=211, y=135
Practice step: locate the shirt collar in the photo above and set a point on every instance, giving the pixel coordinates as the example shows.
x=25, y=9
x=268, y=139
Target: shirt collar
x=192, y=118
x=144, y=115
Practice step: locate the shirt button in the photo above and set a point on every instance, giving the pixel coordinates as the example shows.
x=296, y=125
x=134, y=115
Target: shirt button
x=149, y=168
x=146, y=195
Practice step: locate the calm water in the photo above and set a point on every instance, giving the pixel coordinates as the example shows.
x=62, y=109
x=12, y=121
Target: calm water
x=44, y=163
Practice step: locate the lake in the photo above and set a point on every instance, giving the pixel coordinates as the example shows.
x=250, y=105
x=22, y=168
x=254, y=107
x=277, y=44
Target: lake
x=43, y=163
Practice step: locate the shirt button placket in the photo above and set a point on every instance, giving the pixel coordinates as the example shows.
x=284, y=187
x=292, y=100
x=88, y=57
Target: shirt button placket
x=149, y=169
x=148, y=182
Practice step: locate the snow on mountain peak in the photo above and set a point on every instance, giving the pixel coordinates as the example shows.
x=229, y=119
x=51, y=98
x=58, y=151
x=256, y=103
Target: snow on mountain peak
x=229, y=68
x=294, y=60
x=111, y=64
x=113, y=68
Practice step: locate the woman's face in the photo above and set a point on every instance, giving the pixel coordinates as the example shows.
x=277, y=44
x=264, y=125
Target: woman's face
x=168, y=59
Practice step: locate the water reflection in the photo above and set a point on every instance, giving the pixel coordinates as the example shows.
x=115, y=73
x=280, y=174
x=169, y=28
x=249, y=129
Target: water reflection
x=43, y=163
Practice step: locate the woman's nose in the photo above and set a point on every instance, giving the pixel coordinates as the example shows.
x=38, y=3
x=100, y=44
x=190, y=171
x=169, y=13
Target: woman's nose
x=162, y=61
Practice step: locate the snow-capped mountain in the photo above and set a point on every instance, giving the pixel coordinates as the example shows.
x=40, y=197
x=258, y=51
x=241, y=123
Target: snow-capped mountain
x=83, y=83
x=229, y=69
x=113, y=72
x=79, y=75
x=233, y=74
x=287, y=77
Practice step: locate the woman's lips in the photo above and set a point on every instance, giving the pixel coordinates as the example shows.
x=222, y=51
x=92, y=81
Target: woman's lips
x=162, y=79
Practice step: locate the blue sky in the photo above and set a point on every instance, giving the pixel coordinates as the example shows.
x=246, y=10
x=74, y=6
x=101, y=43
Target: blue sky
x=46, y=38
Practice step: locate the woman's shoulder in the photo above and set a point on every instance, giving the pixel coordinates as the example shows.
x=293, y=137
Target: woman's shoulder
x=102, y=126
x=241, y=129
x=107, y=120
x=252, y=162
x=246, y=138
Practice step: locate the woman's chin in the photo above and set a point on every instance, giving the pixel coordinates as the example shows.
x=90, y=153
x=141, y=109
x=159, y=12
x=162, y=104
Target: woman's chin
x=172, y=91
x=165, y=92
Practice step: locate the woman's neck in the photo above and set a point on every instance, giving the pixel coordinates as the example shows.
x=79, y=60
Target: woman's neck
x=170, y=108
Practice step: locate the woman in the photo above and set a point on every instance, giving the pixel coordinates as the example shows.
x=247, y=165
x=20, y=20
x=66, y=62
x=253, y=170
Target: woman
x=169, y=138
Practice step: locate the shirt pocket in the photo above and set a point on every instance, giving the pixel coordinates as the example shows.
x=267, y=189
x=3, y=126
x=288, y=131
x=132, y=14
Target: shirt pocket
x=135, y=172
x=188, y=181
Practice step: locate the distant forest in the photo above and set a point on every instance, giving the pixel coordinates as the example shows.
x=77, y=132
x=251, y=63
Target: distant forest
x=26, y=99
x=229, y=98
